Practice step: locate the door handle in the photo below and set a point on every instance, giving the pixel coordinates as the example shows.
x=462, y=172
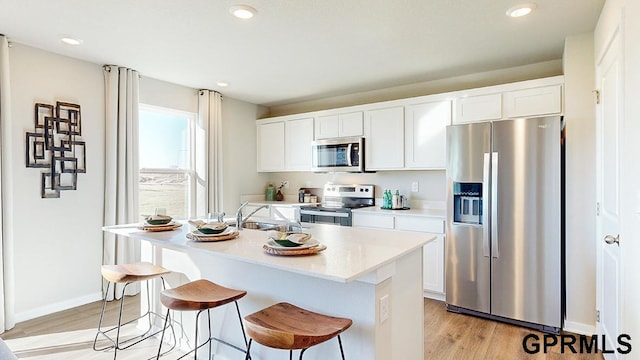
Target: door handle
x=494, y=205
x=610, y=239
x=485, y=204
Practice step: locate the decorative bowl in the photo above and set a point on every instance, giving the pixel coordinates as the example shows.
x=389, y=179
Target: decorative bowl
x=288, y=239
x=158, y=219
x=212, y=228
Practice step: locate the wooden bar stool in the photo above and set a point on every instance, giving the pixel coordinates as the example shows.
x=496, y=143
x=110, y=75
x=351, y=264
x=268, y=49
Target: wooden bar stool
x=286, y=326
x=127, y=274
x=201, y=295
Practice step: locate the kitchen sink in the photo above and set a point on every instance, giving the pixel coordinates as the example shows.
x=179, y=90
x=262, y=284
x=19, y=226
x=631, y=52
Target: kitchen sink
x=267, y=224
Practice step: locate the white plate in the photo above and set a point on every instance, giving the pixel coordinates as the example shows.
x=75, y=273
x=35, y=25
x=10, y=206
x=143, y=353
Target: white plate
x=309, y=244
x=170, y=223
x=226, y=231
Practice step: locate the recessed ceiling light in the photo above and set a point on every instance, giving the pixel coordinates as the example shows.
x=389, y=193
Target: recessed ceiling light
x=70, y=40
x=521, y=10
x=222, y=84
x=242, y=11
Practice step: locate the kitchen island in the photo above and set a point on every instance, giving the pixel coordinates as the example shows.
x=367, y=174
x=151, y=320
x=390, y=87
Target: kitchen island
x=371, y=276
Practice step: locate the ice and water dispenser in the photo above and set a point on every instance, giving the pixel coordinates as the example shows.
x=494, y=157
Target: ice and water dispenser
x=467, y=203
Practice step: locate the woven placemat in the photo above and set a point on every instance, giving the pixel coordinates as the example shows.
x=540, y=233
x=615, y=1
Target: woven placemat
x=299, y=252
x=160, y=228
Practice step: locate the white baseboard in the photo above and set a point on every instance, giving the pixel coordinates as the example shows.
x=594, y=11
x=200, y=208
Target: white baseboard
x=579, y=328
x=59, y=306
x=434, y=296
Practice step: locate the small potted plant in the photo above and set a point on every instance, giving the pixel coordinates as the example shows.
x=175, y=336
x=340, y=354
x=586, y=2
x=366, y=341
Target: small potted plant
x=279, y=194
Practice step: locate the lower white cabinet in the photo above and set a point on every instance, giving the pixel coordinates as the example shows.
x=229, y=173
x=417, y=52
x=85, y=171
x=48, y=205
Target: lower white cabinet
x=433, y=252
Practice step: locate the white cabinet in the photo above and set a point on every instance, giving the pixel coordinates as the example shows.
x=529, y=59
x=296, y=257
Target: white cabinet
x=425, y=134
x=433, y=252
x=545, y=100
x=284, y=145
x=271, y=146
x=274, y=211
x=384, y=139
x=478, y=108
x=339, y=125
x=433, y=268
x=298, y=135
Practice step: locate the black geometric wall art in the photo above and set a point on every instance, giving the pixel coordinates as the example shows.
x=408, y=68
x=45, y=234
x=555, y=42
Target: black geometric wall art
x=56, y=146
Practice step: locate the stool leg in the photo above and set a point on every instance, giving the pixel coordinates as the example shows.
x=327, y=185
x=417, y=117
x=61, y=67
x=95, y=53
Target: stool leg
x=341, y=351
x=241, y=325
x=115, y=350
x=209, y=340
x=104, y=304
x=247, y=357
x=302, y=352
x=164, y=327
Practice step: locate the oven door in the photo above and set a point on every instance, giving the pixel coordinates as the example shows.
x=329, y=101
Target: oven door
x=317, y=216
x=338, y=155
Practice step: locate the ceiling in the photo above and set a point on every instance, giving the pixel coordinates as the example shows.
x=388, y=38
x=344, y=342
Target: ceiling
x=300, y=50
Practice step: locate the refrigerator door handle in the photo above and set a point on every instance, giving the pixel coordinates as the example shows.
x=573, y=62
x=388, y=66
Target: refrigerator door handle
x=494, y=205
x=485, y=204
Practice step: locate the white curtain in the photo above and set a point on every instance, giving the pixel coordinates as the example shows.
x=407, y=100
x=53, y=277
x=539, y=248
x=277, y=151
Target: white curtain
x=121, y=167
x=209, y=151
x=7, y=320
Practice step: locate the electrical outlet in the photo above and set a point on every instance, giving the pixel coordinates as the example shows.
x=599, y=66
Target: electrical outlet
x=385, y=308
x=414, y=186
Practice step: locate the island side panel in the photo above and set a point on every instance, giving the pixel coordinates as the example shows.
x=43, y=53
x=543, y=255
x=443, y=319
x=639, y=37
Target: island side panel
x=266, y=286
x=407, y=308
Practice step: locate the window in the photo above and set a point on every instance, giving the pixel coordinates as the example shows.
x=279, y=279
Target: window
x=166, y=160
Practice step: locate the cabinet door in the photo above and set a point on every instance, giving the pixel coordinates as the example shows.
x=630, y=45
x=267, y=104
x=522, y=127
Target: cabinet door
x=350, y=124
x=425, y=134
x=271, y=146
x=545, y=100
x=384, y=143
x=299, y=135
x=478, y=108
x=327, y=126
x=379, y=221
x=433, y=268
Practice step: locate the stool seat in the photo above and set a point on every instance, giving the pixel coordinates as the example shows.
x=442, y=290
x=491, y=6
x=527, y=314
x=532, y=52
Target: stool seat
x=198, y=295
x=201, y=295
x=286, y=326
x=124, y=273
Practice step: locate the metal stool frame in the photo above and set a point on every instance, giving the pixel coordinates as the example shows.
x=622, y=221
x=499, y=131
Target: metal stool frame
x=209, y=340
x=117, y=344
x=248, y=357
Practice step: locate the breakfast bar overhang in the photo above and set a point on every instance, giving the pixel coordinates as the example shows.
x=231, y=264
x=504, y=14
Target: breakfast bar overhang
x=371, y=276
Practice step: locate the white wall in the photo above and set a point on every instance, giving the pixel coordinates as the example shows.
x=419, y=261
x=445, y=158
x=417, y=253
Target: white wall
x=57, y=242
x=470, y=81
x=579, y=111
x=239, y=152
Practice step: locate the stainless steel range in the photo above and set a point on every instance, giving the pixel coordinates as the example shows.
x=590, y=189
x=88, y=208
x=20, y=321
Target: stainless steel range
x=337, y=202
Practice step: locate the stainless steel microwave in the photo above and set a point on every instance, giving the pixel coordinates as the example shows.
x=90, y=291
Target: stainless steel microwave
x=338, y=155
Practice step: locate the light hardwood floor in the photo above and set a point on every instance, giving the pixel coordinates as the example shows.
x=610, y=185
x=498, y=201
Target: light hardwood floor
x=69, y=335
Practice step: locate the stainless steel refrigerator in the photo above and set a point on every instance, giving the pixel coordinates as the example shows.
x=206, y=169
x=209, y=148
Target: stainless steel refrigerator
x=503, y=232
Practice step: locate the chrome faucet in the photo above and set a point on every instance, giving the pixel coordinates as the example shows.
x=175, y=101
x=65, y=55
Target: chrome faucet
x=240, y=220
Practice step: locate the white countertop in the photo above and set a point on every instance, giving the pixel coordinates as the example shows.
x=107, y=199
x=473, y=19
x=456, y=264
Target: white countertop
x=351, y=252
x=433, y=213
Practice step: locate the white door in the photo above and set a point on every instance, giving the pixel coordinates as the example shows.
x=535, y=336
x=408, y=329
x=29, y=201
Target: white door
x=609, y=78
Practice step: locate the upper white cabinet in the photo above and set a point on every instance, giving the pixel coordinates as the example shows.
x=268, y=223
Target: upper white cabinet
x=284, y=145
x=338, y=125
x=298, y=135
x=271, y=146
x=384, y=139
x=478, y=108
x=545, y=100
x=425, y=134
x=539, y=97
